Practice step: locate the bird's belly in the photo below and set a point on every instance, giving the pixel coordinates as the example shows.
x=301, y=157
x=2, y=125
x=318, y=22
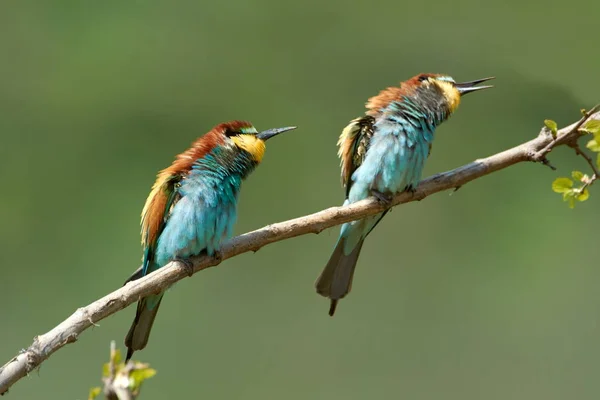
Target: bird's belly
x=400, y=168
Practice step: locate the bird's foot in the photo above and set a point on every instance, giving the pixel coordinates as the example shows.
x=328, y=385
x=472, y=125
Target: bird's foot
x=383, y=198
x=411, y=189
x=218, y=256
x=189, y=266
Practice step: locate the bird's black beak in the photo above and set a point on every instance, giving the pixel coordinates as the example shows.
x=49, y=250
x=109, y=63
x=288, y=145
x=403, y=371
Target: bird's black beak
x=468, y=87
x=269, y=133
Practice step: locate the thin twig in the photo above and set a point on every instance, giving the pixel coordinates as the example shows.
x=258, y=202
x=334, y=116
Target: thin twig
x=565, y=135
x=588, y=181
x=574, y=144
x=588, y=159
x=69, y=330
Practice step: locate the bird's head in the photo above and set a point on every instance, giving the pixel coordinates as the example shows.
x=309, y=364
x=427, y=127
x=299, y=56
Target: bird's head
x=437, y=92
x=243, y=136
x=444, y=88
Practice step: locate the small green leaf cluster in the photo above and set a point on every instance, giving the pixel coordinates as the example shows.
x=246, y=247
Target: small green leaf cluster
x=134, y=372
x=138, y=375
x=570, y=193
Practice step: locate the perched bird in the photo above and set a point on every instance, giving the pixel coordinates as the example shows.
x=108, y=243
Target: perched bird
x=192, y=207
x=382, y=154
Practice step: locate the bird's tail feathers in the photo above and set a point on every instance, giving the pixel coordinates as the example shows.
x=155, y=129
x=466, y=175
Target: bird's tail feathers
x=335, y=281
x=137, y=274
x=138, y=334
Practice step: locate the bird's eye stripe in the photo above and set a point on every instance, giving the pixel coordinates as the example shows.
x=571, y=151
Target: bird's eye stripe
x=447, y=79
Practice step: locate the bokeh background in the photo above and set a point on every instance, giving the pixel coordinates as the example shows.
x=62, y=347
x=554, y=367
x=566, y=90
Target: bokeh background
x=488, y=293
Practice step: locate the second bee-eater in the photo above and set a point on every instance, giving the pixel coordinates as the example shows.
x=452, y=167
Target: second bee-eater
x=193, y=206
x=382, y=154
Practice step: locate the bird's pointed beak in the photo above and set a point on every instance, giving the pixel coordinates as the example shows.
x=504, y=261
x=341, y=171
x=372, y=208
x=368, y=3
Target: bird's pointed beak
x=468, y=87
x=269, y=133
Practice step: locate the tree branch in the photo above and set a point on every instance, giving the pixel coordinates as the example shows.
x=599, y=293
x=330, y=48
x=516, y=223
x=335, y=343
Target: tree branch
x=69, y=330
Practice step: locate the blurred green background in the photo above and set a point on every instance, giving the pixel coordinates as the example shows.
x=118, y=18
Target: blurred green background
x=490, y=293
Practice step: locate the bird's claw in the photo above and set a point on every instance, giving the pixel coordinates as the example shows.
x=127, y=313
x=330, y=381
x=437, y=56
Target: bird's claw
x=383, y=198
x=411, y=189
x=188, y=265
x=218, y=256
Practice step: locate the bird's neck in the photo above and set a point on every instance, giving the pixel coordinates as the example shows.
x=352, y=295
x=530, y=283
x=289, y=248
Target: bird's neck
x=224, y=163
x=417, y=108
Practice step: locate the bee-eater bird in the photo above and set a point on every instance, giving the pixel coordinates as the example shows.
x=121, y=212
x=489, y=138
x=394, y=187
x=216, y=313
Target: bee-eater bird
x=382, y=154
x=192, y=207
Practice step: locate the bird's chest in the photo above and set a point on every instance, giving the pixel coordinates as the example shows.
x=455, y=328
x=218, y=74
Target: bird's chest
x=211, y=191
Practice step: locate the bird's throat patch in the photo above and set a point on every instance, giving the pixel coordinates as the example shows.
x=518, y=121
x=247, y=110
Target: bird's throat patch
x=451, y=93
x=251, y=144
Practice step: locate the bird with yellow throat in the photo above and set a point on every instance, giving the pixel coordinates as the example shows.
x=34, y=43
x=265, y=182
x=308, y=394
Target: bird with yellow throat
x=383, y=154
x=193, y=206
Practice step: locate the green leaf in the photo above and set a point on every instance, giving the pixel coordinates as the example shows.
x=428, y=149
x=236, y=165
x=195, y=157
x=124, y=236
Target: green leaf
x=562, y=185
x=117, y=357
x=551, y=125
x=583, y=195
x=579, y=194
x=115, y=360
x=140, y=375
x=569, y=196
x=593, y=145
x=94, y=392
x=577, y=175
x=592, y=126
